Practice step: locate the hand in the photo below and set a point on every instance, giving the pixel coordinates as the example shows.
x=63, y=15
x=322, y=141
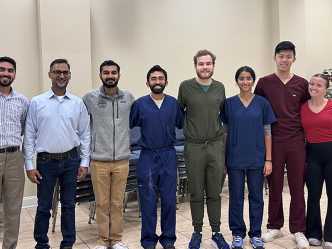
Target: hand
x=33, y=174
x=82, y=171
x=225, y=170
x=267, y=168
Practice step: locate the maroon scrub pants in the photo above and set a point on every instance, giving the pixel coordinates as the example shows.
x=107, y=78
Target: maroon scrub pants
x=293, y=154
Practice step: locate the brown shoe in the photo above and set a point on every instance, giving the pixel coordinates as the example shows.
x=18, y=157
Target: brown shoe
x=67, y=247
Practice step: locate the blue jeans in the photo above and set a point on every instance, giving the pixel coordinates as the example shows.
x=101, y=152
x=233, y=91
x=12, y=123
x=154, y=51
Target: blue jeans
x=66, y=170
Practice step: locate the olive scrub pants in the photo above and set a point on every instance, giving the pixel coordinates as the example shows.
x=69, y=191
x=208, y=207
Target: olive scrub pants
x=205, y=164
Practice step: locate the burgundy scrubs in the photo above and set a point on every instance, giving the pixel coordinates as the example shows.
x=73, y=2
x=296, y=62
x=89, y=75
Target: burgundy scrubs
x=288, y=147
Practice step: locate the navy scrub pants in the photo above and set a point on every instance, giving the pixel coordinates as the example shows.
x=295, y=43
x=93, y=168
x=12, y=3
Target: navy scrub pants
x=157, y=172
x=236, y=182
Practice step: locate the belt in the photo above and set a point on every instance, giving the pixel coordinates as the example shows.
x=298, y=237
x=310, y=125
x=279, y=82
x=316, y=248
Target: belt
x=57, y=156
x=9, y=149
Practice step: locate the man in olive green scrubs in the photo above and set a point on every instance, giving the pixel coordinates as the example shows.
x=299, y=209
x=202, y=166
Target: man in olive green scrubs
x=203, y=98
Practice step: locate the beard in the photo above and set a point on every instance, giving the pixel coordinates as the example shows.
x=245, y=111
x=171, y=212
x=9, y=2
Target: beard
x=8, y=83
x=110, y=85
x=204, y=76
x=61, y=84
x=159, y=90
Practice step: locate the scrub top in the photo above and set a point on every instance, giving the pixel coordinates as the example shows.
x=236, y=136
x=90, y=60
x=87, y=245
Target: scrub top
x=245, y=145
x=157, y=125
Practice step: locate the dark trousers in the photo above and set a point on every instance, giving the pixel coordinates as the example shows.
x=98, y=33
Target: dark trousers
x=157, y=172
x=293, y=154
x=319, y=169
x=236, y=182
x=205, y=167
x=66, y=170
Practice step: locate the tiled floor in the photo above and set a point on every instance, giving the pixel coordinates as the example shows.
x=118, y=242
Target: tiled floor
x=87, y=235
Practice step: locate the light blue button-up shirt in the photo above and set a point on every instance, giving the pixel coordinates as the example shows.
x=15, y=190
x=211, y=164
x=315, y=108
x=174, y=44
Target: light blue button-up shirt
x=58, y=126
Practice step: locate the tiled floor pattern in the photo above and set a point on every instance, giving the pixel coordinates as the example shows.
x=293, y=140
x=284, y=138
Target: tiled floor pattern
x=86, y=236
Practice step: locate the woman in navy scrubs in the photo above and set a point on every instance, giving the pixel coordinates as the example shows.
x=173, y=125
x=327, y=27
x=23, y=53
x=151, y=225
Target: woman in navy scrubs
x=247, y=133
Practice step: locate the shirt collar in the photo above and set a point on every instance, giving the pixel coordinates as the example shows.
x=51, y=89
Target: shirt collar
x=12, y=93
x=102, y=92
x=50, y=94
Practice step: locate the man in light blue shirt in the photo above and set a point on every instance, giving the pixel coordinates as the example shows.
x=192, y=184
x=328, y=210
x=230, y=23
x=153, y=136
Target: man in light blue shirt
x=57, y=123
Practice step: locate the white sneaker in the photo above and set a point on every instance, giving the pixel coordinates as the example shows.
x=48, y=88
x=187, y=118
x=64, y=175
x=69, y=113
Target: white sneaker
x=120, y=245
x=314, y=242
x=101, y=247
x=301, y=241
x=271, y=234
x=328, y=245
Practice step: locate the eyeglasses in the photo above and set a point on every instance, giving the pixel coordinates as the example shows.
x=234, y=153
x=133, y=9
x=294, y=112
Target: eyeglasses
x=58, y=73
x=243, y=79
x=154, y=79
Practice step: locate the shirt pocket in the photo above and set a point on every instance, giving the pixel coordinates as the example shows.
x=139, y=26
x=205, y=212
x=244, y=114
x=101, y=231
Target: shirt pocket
x=294, y=101
x=231, y=156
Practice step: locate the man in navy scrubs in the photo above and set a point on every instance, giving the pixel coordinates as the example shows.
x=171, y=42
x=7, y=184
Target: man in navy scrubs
x=157, y=114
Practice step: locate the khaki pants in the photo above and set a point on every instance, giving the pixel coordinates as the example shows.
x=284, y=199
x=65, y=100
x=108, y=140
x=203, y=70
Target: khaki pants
x=12, y=186
x=109, y=183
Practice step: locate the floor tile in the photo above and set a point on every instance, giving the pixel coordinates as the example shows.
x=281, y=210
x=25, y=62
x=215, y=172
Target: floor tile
x=87, y=234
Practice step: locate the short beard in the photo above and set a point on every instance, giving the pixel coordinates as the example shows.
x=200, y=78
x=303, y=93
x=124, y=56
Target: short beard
x=110, y=85
x=61, y=85
x=6, y=84
x=199, y=75
x=157, y=91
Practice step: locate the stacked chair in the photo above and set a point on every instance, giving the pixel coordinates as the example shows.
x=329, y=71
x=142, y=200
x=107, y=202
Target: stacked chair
x=182, y=187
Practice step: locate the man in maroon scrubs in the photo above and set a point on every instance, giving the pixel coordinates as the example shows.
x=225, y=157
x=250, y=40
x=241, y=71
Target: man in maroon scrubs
x=286, y=91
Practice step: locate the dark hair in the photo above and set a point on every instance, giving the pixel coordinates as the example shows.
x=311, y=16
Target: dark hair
x=9, y=60
x=109, y=63
x=323, y=76
x=204, y=52
x=245, y=69
x=154, y=69
x=58, y=61
x=284, y=45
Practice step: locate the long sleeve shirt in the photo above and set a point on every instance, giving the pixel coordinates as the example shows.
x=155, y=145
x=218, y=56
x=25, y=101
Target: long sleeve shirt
x=57, y=125
x=202, y=121
x=13, y=111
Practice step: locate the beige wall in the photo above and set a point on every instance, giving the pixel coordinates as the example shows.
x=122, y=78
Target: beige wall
x=139, y=34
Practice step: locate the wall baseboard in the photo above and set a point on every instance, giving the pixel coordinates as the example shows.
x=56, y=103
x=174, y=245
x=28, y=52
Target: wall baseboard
x=29, y=201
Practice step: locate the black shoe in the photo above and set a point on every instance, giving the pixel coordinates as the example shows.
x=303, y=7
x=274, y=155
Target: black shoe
x=168, y=246
x=150, y=247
